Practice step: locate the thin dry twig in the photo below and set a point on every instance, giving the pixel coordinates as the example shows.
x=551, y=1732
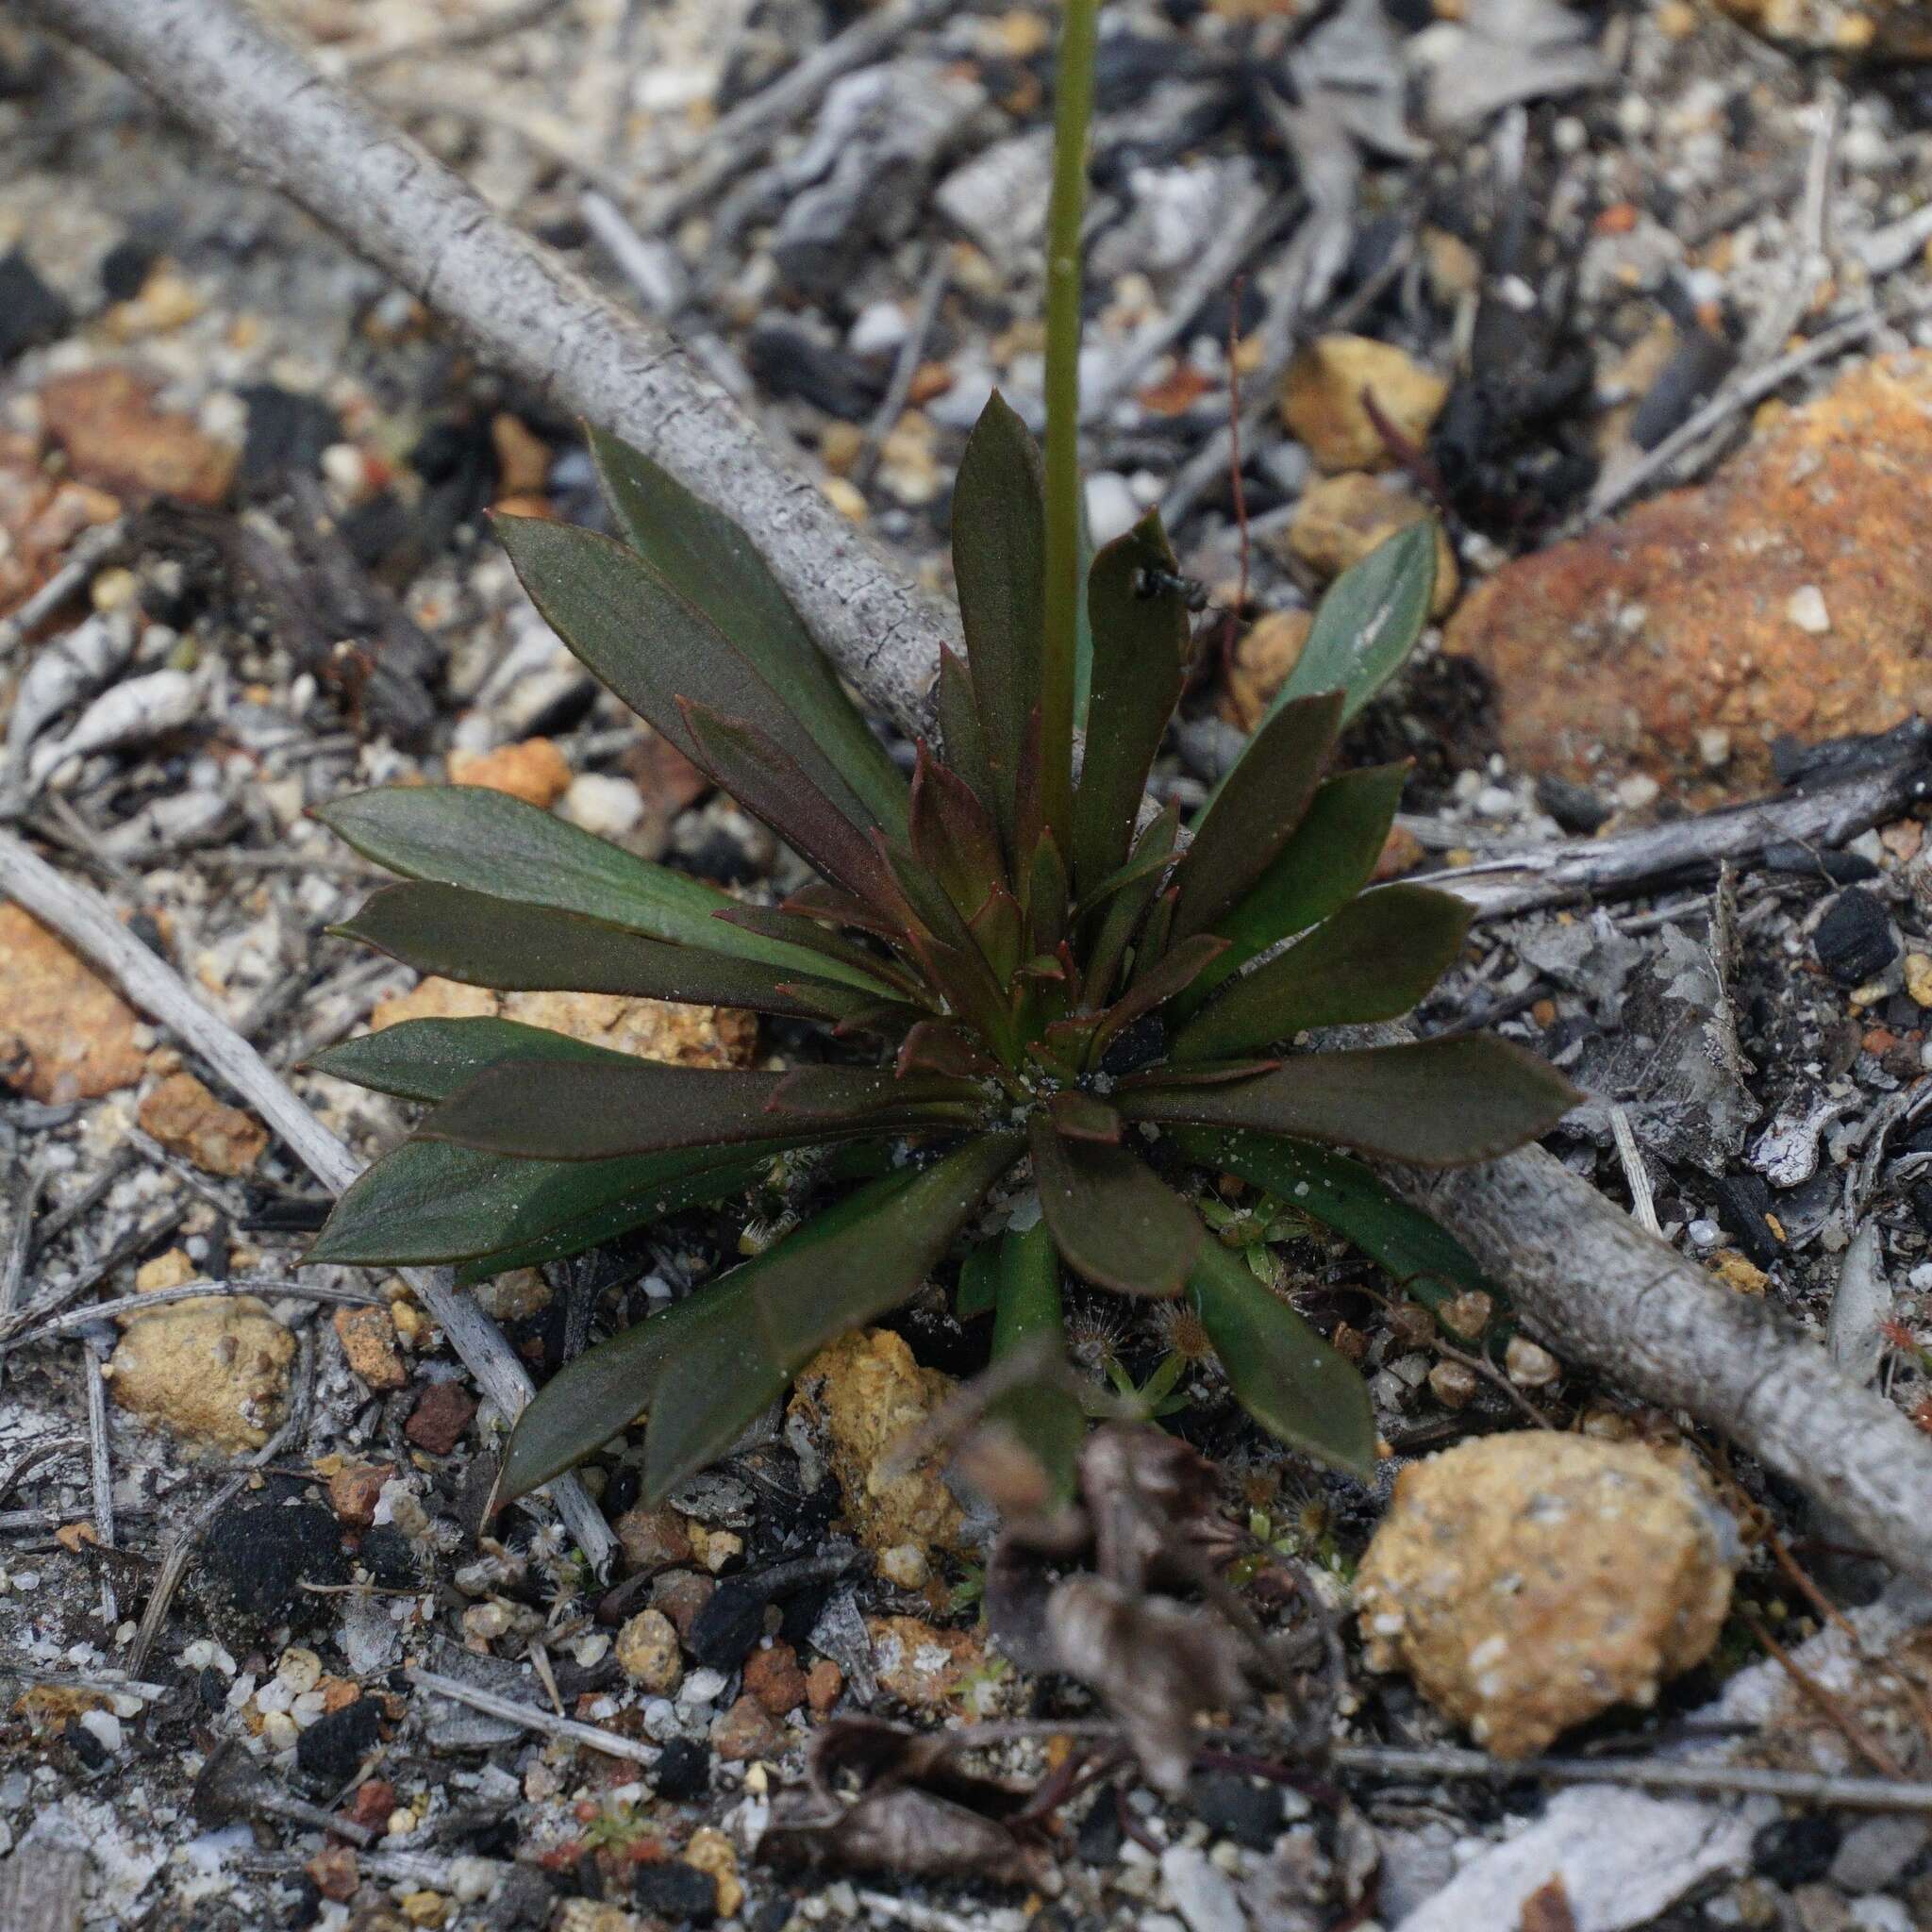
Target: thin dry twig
x=85, y=920
x=531, y=1718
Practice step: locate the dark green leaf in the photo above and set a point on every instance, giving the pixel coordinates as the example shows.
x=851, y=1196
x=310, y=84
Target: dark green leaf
x=996, y=931
x=1044, y=1417
x=426, y=1200
x=1177, y=970
x=799, y=929
x=464, y=835
x=844, y=1267
x=1114, y=1221
x=953, y=835
x=593, y=1112
x=962, y=744
x=1437, y=1103
x=978, y=1292
x=655, y=648
x=1369, y=622
x=1123, y=901
x=711, y=563
x=999, y=560
x=1256, y=811
x=774, y=787
x=1046, y=898
x=1371, y=960
x=1422, y=1258
x=429, y=1060
x=1282, y=1373
x=1139, y=648
x=1330, y=858
x=608, y=1387
x=513, y=947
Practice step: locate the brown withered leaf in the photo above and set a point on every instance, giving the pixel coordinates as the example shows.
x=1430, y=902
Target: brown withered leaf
x=1158, y=1664
x=917, y=1814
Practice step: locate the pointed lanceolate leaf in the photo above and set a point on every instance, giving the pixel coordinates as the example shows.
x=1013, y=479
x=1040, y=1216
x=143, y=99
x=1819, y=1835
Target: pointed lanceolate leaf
x=654, y=647
x=1330, y=860
x=1113, y=1219
x=979, y=1281
x=1139, y=648
x=1256, y=811
x=772, y=785
x=937, y=1046
x=428, y=1201
x=1178, y=968
x=999, y=561
x=1296, y=1386
x=1437, y=1103
x=843, y=1268
x=464, y=834
x=1369, y=622
x=1045, y=1418
x=598, y=1111
x=850, y=961
x=953, y=836
x=962, y=742
x=1418, y=1254
x=1047, y=895
x=711, y=563
x=1371, y=960
x=429, y=1060
x=464, y=935
x=1126, y=899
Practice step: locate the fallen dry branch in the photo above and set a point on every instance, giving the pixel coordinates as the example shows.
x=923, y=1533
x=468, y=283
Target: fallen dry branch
x=1682, y=850
x=1590, y=1282
x=1584, y=1275
x=260, y=99
x=88, y=923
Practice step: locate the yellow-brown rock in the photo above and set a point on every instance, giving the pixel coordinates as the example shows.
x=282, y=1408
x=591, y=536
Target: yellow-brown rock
x=654, y=1029
x=647, y=1652
x=869, y=1394
x=1262, y=659
x=920, y=1664
x=65, y=1034
x=369, y=1340
x=213, y=1370
x=1338, y=520
x=1323, y=402
x=1529, y=1581
x=1790, y=593
x=534, y=771
x=711, y=1852
x=188, y=1120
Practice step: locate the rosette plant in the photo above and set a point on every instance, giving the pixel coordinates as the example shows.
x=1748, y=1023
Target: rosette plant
x=1047, y=1016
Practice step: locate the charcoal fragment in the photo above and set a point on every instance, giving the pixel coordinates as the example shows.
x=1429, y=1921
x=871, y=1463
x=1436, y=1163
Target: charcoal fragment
x=1855, y=941
x=332, y=1749
x=30, y=312
x=1576, y=808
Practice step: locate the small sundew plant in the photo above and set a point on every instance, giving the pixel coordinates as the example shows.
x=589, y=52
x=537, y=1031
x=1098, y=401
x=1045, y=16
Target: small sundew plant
x=1068, y=1006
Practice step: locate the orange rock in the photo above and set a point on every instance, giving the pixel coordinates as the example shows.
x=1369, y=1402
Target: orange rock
x=1790, y=593
x=369, y=1340
x=919, y=1663
x=187, y=1119
x=1323, y=400
x=107, y=421
x=64, y=1033
x=773, y=1676
x=822, y=1683
x=746, y=1731
x=534, y=771
x=355, y=1490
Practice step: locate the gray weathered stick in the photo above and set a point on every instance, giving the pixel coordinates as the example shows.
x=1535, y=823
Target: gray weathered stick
x=1589, y=1281
x=264, y=103
x=82, y=918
